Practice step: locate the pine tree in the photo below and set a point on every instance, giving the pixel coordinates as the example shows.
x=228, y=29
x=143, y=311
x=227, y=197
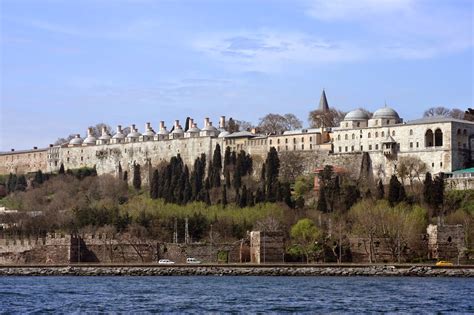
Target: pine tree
x=11, y=183
x=61, y=169
x=380, y=190
x=137, y=180
x=322, y=203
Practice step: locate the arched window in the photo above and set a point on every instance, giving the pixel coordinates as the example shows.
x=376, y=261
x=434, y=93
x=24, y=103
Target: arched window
x=393, y=133
x=464, y=132
x=429, y=138
x=346, y=137
x=411, y=132
x=383, y=134
x=376, y=134
x=353, y=136
x=338, y=137
x=459, y=132
x=438, y=138
x=368, y=135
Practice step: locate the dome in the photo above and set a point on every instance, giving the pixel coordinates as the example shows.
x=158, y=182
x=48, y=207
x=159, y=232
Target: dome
x=356, y=114
x=223, y=134
x=105, y=136
x=149, y=133
x=77, y=140
x=178, y=130
x=386, y=112
x=118, y=136
x=162, y=132
x=90, y=140
x=133, y=132
x=209, y=128
x=193, y=129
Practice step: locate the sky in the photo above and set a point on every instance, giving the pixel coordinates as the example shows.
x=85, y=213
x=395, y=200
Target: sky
x=66, y=65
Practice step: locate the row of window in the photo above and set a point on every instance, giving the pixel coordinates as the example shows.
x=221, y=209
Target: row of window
x=294, y=140
x=369, y=135
x=295, y=147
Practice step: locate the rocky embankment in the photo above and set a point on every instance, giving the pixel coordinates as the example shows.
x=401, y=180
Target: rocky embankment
x=414, y=271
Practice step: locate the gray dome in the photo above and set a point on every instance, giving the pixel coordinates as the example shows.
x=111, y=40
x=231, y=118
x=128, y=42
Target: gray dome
x=149, y=133
x=178, y=130
x=386, y=112
x=193, y=130
x=105, y=137
x=134, y=134
x=76, y=140
x=90, y=140
x=209, y=128
x=118, y=136
x=356, y=114
x=223, y=134
x=163, y=132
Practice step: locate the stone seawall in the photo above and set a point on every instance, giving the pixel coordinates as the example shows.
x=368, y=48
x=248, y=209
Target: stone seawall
x=389, y=271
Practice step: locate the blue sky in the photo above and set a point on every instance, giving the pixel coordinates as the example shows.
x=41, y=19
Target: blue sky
x=66, y=65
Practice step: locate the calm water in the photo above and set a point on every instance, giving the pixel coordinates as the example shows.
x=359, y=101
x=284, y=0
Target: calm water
x=235, y=294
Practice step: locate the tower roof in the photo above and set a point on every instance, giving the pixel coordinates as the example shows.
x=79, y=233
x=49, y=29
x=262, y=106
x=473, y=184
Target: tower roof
x=323, y=103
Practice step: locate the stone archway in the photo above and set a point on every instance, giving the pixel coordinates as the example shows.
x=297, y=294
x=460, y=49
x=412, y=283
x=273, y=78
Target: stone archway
x=429, y=138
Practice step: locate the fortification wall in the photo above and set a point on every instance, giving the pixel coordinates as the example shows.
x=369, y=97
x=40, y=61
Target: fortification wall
x=22, y=162
x=206, y=253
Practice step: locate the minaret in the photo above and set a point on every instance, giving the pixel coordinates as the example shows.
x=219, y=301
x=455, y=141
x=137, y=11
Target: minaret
x=323, y=103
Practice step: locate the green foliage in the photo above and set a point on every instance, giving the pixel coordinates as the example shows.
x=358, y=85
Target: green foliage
x=303, y=185
x=396, y=191
x=272, y=169
x=137, y=180
x=304, y=236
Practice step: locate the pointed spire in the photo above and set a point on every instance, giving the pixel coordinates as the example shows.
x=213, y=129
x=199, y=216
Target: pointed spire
x=323, y=103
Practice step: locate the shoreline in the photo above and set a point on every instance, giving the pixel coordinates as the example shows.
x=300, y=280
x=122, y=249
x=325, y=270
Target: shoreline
x=239, y=270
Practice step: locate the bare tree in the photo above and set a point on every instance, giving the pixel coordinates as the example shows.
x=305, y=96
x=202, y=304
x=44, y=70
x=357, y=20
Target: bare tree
x=469, y=114
x=441, y=111
x=318, y=118
x=97, y=129
x=277, y=124
x=411, y=167
x=60, y=141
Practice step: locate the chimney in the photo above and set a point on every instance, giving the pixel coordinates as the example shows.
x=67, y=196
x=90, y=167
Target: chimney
x=89, y=132
x=35, y=148
x=119, y=129
x=191, y=123
x=176, y=124
x=222, y=122
x=194, y=125
x=13, y=150
x=206, y=122
x=162, y=125
x=50, y=145
x=78, y=136
x=132, y=128
x=253, y=130
x=104, y=131
x=147, y=126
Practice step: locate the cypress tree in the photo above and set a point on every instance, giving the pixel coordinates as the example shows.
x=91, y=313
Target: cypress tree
x=227, y=177
x=216, y=167
x=322, y=204
x=227, y=157
x=125, y=176
x=237, y=180
x=380, y=190
x=39, y=179
x=233, y=158
x=224, y=196
x=243, y=197
x=394, y=190
x=259, y=196
x=137, y=180
x=237, y=197
x=11, y=183
x=272, y=168
x=285, y=189
x=61, y=169
x=438, y=191
x=154, y=184
x=428, y=189
x=21, y=183
x=187, y=194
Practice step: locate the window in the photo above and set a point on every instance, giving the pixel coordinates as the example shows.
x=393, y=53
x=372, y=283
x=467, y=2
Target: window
x=417, y=144
x=441, y=164
x=362, y=148
x=393, y=133
x=278, y=141
x=368, y=136
x=270, y=141
x=411, y=145
x=294, y=140
x=286, y=147
x=352, y=148
x=438, y=138
x=310, y=139
x=376, y=147
x=346, y=137
x=311, y=147
x=383, y=134
x=347, y=124
x=429, y=138
x=338, y=137
x=345, y=149
x=340, y=149
x=432, y=164
x=294, y=147
x=353, y=136
x=302, y=147
x=358, y=124
x=302, y=139
x=82, y=159
x=376, y=134
x=388, y=121
x=370, y=147
x=286, y=140
x=411, y=132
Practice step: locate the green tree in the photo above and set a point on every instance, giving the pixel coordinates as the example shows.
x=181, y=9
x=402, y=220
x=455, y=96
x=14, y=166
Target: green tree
x=394, y=191
x=39, y=178
x=61, y=169
x=154, y=185
x=272, y=168
x=305, y=235
x=21, y=183
x=216, y=167
x=137, y=180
